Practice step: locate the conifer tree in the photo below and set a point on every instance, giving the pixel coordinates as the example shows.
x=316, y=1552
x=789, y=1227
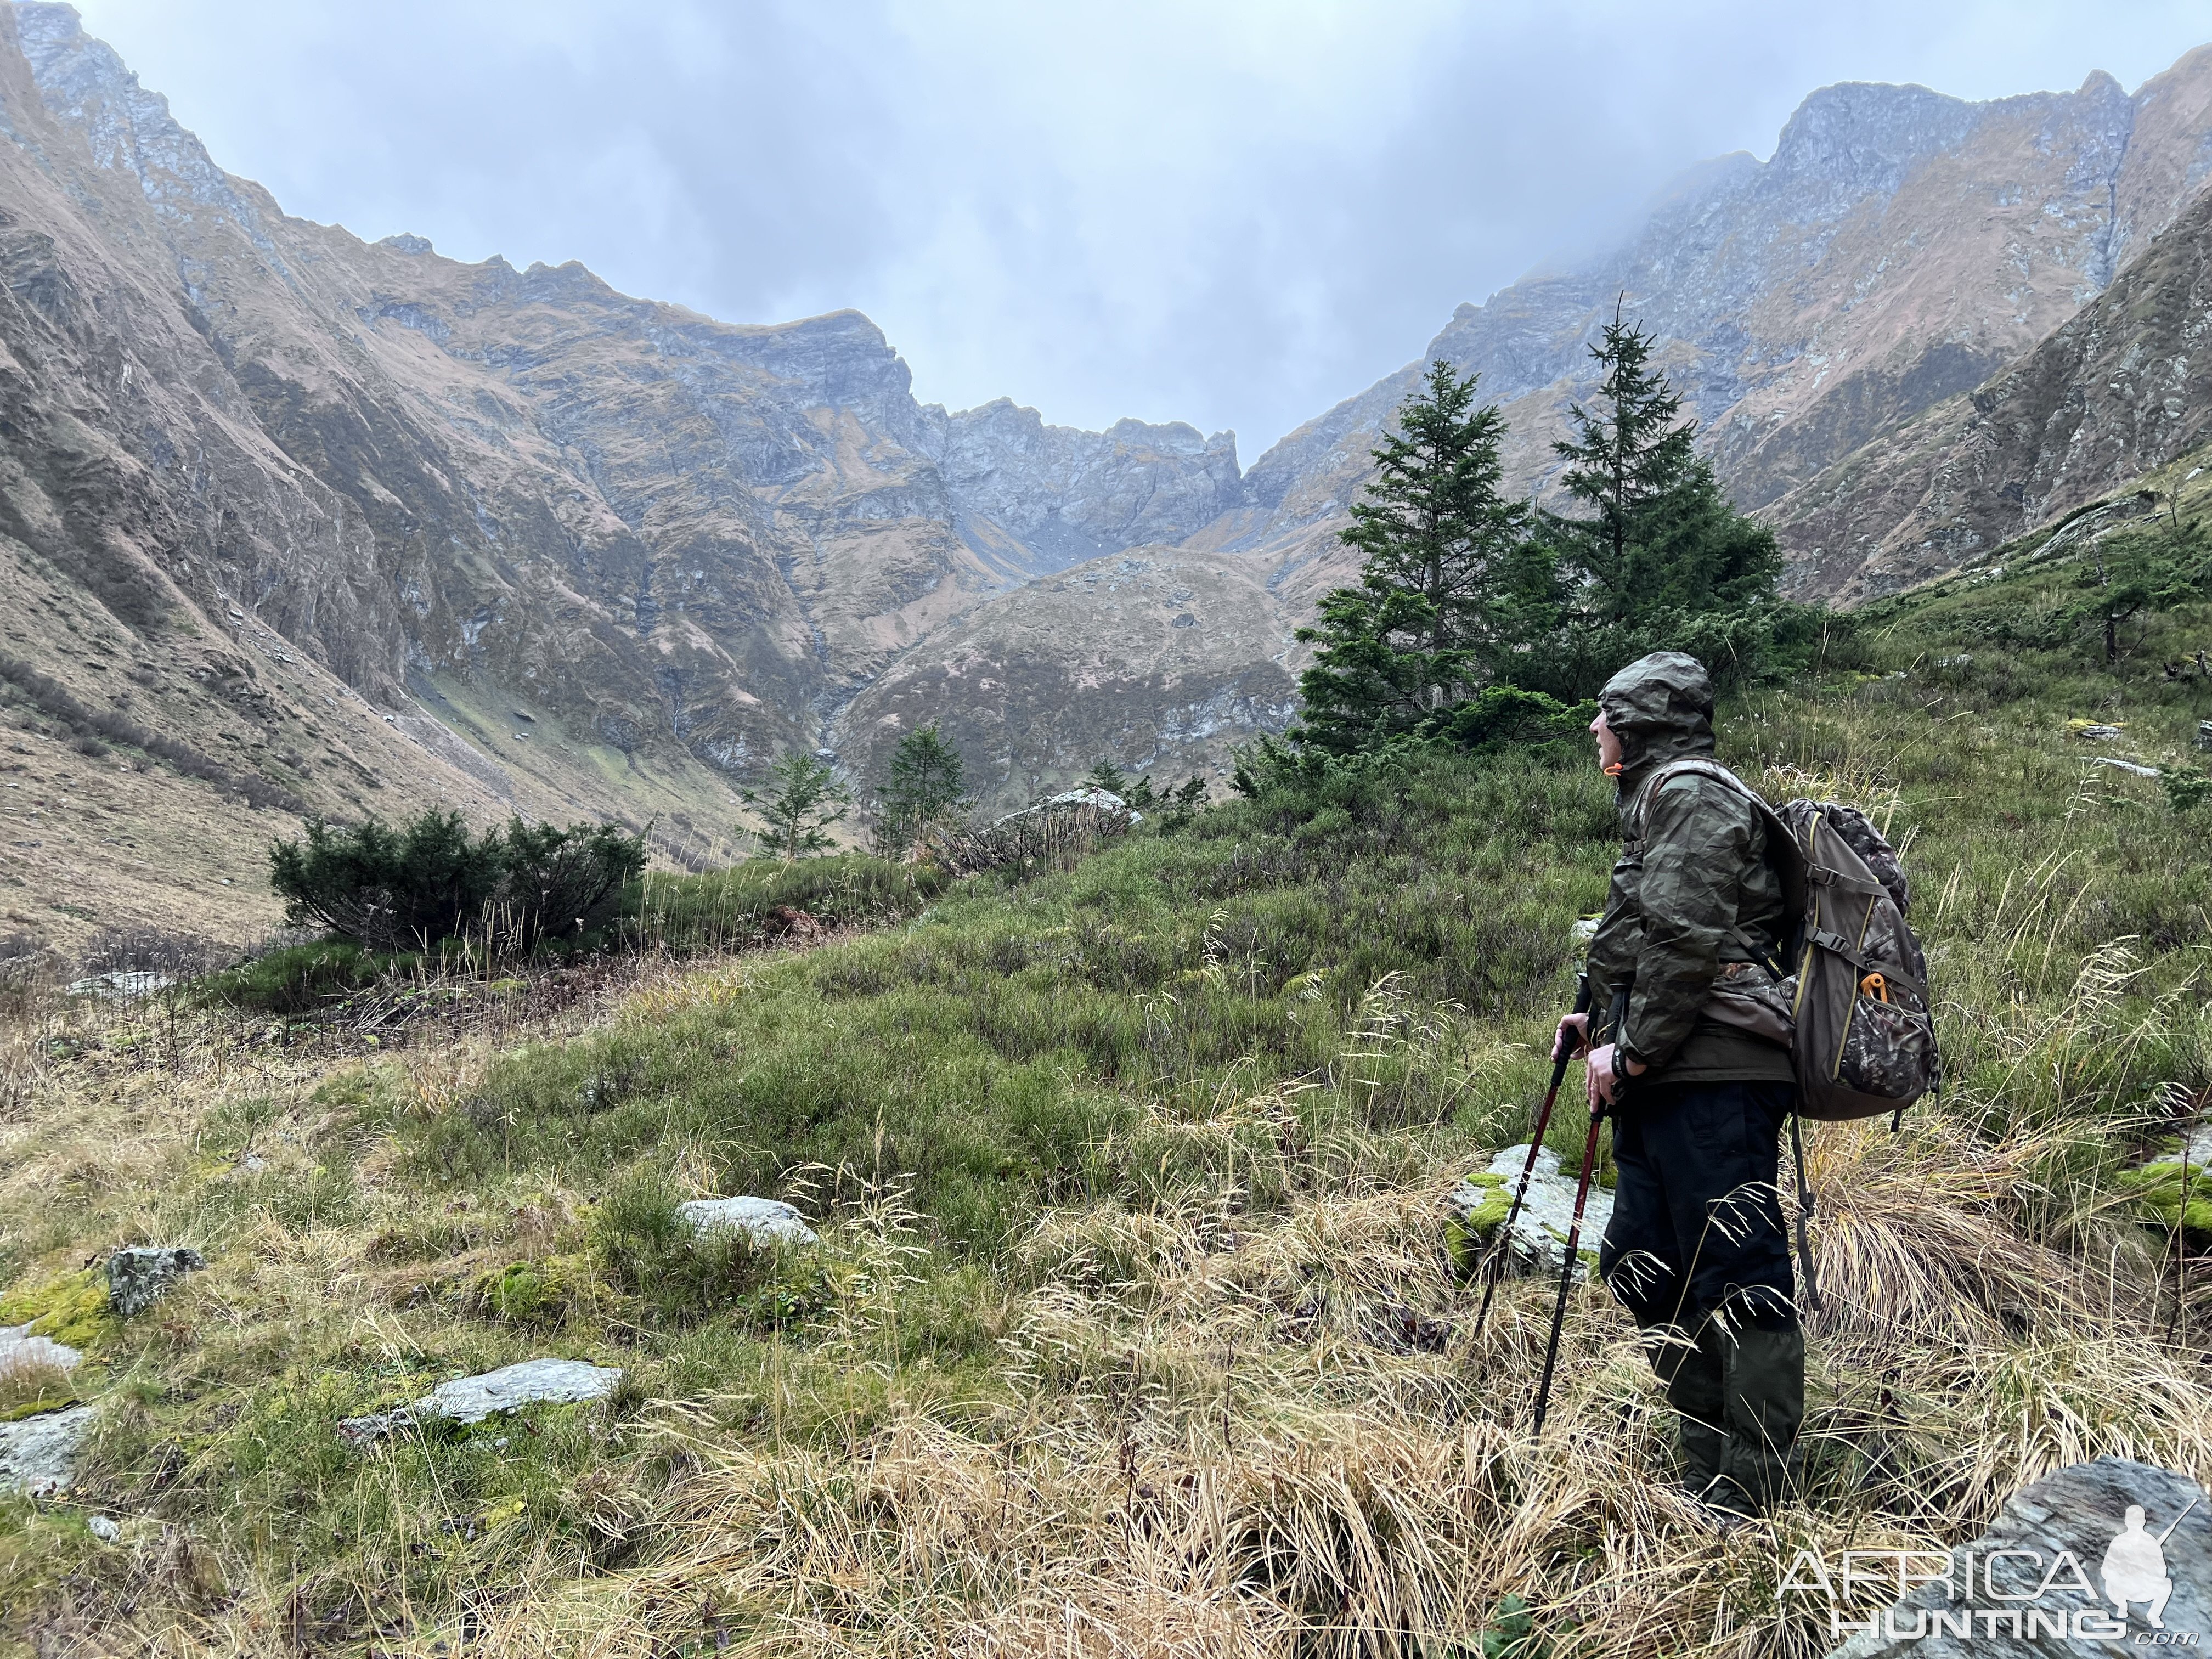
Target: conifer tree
x=807, y=800
x=1107, y=776
x=1662, y=539
x=926, y=786
x=1447, y=574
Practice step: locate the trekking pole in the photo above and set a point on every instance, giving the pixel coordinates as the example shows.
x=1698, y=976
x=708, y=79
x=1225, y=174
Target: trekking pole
x=1492, y=1264
x=1618, y=1019
x=1567, y=1271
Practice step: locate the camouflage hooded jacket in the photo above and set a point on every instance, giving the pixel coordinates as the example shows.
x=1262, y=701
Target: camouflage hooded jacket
x=1691, y=877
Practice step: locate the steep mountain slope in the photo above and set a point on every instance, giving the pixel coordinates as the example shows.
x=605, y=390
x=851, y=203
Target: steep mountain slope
x=1899, y=246
x=1156, y=658
x=2118, y=391
x=591, y=552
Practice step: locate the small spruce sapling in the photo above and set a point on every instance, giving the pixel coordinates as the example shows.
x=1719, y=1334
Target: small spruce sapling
x=1109, y=777
x=926, y=790
x=805, y=801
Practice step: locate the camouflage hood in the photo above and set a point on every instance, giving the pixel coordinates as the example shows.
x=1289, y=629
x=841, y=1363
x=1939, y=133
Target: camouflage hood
x=1662, y=709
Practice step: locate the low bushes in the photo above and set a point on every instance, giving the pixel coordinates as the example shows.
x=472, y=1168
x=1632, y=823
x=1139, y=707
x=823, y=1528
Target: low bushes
x=298, y=978
x=401, y=889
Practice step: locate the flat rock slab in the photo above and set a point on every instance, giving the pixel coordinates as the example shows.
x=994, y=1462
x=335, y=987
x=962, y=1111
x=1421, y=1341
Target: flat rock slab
x=139, y=1275
x=768, y=1220
x=38, y=1455
x=2041, y=1581
x=472, y=1399
x=21, y=1351
x=1540, y=1232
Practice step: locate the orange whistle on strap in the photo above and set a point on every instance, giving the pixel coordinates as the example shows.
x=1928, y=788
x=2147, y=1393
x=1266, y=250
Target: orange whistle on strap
x=1874, y=986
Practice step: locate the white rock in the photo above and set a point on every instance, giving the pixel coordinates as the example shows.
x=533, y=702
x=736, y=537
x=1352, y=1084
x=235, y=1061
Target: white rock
x=472, y=1399
x=2125, y=766
x=1540, y=1232
x=768, y=1220
x=555, y=1382
x=120, y=986
x=103, y=1529
x=38, y=1455
x=19, y=1349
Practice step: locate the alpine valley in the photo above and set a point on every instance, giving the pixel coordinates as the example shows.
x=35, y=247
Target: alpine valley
x=358, y=528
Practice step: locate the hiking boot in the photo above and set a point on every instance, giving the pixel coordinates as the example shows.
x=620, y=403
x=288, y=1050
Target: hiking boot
x=1763, y=1385
x=1727, y=1508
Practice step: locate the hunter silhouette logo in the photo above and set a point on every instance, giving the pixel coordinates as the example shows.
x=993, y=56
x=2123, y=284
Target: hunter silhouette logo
x=2135, y=1567
x=2026, y=1593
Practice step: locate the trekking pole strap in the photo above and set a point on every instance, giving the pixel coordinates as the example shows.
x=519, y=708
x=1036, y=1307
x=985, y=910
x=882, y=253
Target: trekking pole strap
x=1804, y=1215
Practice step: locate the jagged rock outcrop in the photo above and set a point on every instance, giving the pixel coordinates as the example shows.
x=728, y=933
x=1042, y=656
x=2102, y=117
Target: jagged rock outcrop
x=1067, y=496
x=1899, y=248
x=2120, y=389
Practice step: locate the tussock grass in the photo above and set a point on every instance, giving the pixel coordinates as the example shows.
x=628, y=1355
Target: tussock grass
x=1132, y=1329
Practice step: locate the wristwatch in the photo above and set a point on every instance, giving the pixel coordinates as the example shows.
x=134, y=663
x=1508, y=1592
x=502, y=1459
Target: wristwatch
x=1620, y=1063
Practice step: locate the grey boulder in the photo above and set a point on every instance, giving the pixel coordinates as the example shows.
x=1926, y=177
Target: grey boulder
x=1540, y=1232
x=472, y=1399
x=766, y=1220
x=139, y=1275
x=2041, y=1581
x=38, y=1455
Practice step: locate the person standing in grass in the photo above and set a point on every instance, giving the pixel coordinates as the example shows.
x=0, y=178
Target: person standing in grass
x=1697, y=1250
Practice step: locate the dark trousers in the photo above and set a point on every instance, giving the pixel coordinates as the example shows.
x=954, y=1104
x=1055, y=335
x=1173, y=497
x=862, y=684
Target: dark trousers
x=1698, y=1252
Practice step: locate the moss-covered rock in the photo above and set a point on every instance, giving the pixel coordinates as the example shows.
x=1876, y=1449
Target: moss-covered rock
x=72, y=1309
x=545, y=1292
x=2160, y=1196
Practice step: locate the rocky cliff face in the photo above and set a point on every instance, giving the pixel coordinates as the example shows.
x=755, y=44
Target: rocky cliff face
x=590, y=551
x=1899, y=248
x=2120, y=389
x=1158, y=659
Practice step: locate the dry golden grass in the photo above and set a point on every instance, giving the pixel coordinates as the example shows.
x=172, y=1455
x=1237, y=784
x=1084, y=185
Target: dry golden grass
x=1212, y=1434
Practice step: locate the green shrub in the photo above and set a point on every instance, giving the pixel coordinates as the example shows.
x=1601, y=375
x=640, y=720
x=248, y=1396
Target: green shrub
x=300, y=978
x=1505, y=716
x=400, y=888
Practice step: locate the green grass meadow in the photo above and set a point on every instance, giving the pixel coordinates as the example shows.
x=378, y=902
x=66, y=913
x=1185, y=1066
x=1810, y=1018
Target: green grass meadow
x=1130, y=1181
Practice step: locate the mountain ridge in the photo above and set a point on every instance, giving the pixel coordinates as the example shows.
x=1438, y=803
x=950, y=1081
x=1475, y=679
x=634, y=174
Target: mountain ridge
x=388, y=529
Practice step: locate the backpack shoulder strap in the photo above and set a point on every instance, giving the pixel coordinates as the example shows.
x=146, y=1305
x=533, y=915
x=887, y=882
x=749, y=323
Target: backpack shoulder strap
x=1790, y=859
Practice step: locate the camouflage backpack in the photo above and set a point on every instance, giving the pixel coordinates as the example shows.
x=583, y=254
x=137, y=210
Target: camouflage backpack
x=1854, y=1013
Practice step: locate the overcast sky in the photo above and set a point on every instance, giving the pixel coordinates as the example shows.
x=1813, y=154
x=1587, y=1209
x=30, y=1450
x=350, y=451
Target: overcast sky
x=1230, y=212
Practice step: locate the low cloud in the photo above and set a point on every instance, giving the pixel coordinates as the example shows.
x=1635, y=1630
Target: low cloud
x=1232, y=214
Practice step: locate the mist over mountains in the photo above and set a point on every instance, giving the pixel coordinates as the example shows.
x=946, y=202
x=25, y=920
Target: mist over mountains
x=383, y=528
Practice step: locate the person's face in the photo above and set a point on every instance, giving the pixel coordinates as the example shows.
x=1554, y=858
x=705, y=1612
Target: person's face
x=1609, y=743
